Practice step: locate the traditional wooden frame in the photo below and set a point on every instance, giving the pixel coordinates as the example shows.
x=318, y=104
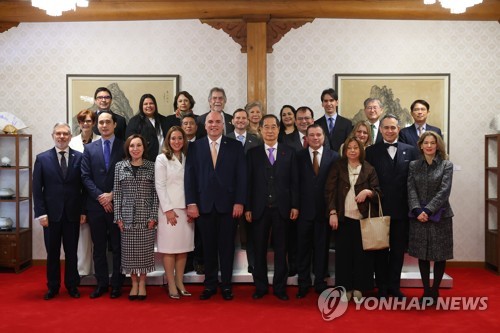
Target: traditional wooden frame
x=126, y=90
x=397, y=92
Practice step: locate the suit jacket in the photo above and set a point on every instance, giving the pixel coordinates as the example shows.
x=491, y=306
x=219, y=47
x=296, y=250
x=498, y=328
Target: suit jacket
x=294, y=141
x=54, y=194
x=251, y=140
x=409, y=134
x=172, y=120
x=286, y=180
x=94, y=175
x=312, y=187
x=201, y=132
x=393, y=176
x=340, y=132
x=216, y=188
x=338, y=185
x=120, y=129
x=139, y=124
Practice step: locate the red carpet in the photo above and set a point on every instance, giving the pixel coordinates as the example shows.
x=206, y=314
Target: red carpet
x=22, y=309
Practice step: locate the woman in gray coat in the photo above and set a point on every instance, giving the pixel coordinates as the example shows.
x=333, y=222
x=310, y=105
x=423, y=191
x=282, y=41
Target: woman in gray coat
x=136, y=213
x=431, y=233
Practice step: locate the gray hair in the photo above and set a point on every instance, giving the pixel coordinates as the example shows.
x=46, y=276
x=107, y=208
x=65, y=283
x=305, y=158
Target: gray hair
x=252, y=105
x=389, y=116
x=217, y=89
x=370, y=99
x=59, y=124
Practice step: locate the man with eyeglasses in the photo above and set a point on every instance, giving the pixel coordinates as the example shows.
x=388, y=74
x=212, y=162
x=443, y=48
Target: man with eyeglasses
x=217, y=100
x=57, y=194
x=103, y=100
x=373, y=112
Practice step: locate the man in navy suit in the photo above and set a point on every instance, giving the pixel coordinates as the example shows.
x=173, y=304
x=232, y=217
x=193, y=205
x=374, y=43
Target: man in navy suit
x=103, y=100
x=57, y=194
x=312, y=226
x=215, y=189
x=217, y=100
x=391, y=160
x=98, y=171
x=272, y=201
x=419, y=111
x=248, y=140
x=373, y=112
x=336, y=127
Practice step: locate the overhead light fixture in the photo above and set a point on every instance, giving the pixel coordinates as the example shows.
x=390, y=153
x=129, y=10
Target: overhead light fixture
x=57, y=7
x=455, y=6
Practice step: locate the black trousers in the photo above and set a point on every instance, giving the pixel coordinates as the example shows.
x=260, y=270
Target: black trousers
x=218, y=232
x=389, y=263
x=313, y=238
x=103, y=229
x=67, y=232
x=261, y=228
x=353, y=265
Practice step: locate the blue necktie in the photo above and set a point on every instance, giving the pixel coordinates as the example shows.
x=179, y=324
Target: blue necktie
x=107, y=153
x=330, y=125
x=240, y=139
x=271, y=155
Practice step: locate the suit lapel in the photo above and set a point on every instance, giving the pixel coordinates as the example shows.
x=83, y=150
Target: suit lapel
x=55, y=162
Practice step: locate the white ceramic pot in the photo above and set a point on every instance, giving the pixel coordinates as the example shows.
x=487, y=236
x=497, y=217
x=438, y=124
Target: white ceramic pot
x=6, y=223
x=6, y=193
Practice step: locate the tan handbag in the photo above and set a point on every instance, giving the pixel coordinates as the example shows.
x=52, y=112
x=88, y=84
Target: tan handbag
x=375, y=230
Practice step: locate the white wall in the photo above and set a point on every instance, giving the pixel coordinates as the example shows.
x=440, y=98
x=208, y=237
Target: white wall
x=35, y=58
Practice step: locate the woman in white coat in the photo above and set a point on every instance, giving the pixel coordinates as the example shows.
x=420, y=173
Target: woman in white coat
x=86, y=120
x=175, y=229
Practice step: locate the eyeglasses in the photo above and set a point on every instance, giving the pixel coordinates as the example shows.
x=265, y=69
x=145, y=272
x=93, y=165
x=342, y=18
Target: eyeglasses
x=85, y=121
x=372, y=107
x=62, y=133
x=304, y=118
x=103, y=97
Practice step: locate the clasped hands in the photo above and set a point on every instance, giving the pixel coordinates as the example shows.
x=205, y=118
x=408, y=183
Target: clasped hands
x=106, y=201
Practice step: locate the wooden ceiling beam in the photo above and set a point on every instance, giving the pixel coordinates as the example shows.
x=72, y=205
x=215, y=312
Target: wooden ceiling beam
x=127, y=10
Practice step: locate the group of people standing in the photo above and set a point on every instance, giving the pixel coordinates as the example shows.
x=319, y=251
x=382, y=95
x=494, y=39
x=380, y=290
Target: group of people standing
x=290, y=179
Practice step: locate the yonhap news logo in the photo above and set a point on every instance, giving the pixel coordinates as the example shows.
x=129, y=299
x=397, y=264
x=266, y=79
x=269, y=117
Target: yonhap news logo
x=333, y=303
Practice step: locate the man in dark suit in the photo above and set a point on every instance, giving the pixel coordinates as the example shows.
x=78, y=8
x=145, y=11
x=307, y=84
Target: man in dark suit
x=391, y=160
x=272, y=201
x=312, y=226
x=215, y=189
x=103, y=100
x=248, y=140
x=98, y=171
x=336, y=127
x=57, y=194
x=373, y=112
x=419, y=111
x=217, y=100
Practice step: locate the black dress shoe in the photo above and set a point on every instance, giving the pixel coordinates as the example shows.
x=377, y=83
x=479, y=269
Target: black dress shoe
x=116, y=292
x=258, y=294
x=98, y=292
x=227, y=294
x=319, y=289
x=281, y=296
x=302, y=293
x=50, y=294
x=207, y=293
x=250, y=269
x=73, y=292
x=382, y=293
x=200, y=269
x=292, y=271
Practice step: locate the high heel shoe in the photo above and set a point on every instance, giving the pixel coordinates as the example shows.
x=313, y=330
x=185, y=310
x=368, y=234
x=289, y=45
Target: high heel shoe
x=184, y=293
x=132, y=297
x=174, y=296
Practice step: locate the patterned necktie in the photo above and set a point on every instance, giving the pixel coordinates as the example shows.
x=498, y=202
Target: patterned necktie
x=420, y=130
x=213, y=152
x=315, y=162
x=304, y=142
x=271, y=156
x=64, y=164
x=330, y=125
x=107, y=153
x=373, y=133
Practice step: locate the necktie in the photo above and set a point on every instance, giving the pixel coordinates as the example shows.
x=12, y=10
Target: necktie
x=271, y=156
x=373, y=133
x=64, y=164
x=304, y=141
x=107, y=153
x=213, y=151
x=330, y=125
x=420, y=130
x=315, y=162
x=241, y=139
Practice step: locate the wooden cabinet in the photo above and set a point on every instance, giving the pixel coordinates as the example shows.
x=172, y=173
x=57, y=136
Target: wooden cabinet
x=492, y=204
x=16, y=244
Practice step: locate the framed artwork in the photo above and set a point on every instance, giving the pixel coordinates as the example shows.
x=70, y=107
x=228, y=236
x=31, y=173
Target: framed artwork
x=396, y=92
x=125, y=89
